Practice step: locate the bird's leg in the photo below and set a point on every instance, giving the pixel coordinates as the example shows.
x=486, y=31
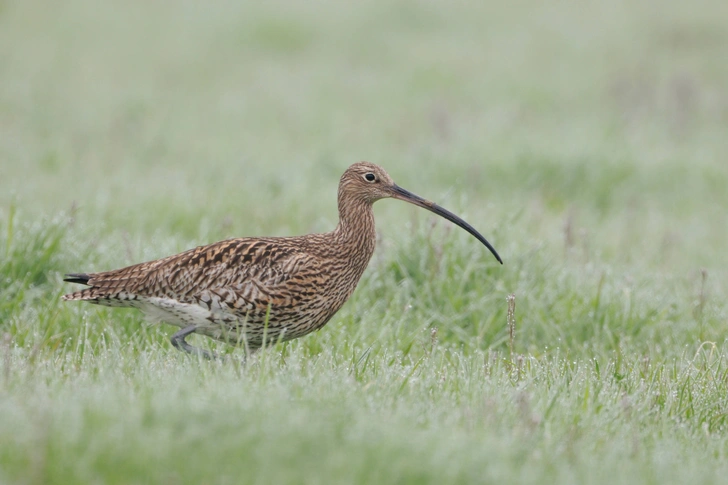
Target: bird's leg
x=178, y=340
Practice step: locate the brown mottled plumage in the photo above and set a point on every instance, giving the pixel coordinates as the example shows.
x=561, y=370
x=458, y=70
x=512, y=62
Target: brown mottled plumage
x=251, y=290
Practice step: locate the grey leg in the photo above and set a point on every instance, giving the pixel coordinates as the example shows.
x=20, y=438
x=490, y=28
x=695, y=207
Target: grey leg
x=178, y=340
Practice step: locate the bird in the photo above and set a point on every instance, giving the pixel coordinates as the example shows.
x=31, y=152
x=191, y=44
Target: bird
x=255, y=291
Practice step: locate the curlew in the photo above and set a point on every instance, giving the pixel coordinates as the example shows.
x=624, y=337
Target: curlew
x=249, y=291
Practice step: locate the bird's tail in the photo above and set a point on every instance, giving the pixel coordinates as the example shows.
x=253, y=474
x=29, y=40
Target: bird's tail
x=90, y=294
x=106, y=289
x=98, y=291
x=81, y=278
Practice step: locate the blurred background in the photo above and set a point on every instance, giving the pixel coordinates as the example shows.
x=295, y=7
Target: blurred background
x=586, y=140
x=594, y=129
x=118, y=108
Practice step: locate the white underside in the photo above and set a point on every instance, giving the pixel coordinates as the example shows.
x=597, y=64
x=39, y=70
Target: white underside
x=165, y=310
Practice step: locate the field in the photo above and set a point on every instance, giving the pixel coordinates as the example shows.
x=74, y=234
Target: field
x=587, y=141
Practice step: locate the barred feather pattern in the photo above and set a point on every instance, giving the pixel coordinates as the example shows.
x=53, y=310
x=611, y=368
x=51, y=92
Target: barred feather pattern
x=251, y=290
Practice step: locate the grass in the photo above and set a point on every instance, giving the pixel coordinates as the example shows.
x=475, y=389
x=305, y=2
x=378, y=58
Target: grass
x=586, y=141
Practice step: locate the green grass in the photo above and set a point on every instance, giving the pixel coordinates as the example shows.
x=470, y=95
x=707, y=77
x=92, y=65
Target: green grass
x=586, y=141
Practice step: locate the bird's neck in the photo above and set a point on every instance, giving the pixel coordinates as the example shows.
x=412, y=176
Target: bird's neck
x=356, y=229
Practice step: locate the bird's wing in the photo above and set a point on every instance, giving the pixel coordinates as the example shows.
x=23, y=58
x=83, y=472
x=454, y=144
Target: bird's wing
x=254, y=269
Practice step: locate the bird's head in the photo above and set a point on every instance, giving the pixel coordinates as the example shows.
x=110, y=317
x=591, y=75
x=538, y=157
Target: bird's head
x=368, y=182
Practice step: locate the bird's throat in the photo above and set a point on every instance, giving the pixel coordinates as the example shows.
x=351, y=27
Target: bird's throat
x=356, y=231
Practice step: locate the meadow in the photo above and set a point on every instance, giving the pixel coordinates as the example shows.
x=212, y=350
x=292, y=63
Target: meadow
x=586, y=140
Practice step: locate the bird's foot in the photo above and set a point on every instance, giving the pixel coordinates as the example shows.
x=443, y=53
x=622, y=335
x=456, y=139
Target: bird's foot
x=179, y=342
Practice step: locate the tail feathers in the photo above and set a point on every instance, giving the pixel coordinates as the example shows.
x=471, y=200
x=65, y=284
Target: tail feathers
x=101, y=296
x=89, y=294
x=92, y=294
x=81, y=278
x=104, y=290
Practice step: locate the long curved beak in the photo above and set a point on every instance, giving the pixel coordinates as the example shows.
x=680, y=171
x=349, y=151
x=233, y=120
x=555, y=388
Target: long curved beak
x=407, y=196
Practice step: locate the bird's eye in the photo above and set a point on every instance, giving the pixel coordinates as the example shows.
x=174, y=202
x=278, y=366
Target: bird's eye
x=370, y=177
